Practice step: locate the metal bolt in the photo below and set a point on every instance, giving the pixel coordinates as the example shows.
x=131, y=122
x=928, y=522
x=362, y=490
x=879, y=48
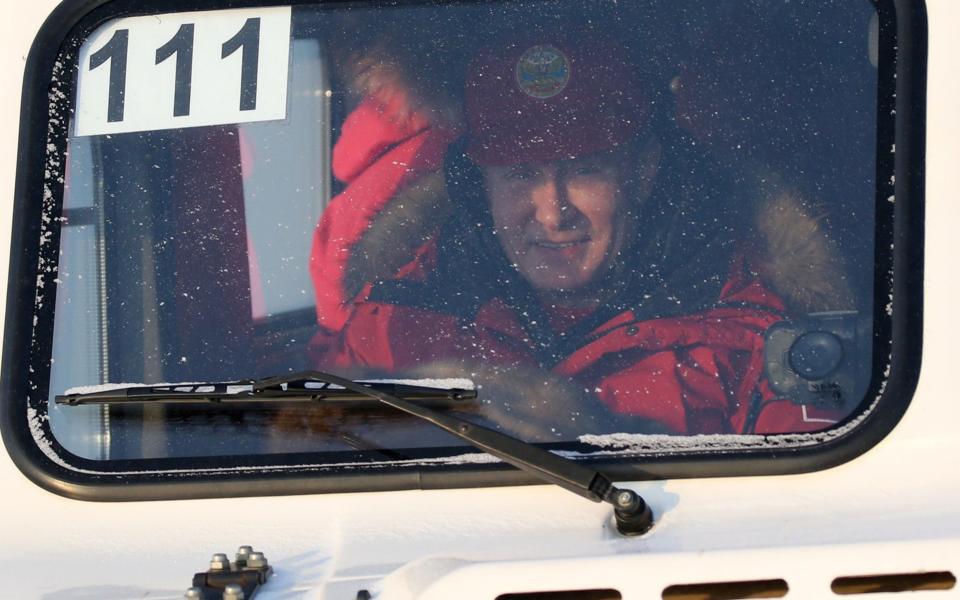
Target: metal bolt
x=256, y=560
x=194, y=593
x=625, y=498
x=219, y=562
x=243, y=553
x=233, y=592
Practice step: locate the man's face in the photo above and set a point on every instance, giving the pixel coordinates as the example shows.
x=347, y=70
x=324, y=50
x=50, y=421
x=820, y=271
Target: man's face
x=560, y=223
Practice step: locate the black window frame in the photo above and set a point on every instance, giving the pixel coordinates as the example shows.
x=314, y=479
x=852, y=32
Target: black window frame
x=47, y=93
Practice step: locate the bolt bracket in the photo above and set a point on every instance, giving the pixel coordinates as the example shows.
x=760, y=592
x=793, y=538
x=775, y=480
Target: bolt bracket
x=212, y=582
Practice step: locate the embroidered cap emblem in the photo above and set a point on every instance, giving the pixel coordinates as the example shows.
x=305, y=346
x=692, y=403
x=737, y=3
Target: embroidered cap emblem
x=543, y=72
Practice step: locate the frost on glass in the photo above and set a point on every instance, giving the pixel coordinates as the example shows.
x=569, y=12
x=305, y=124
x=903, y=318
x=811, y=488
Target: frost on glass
x=637, y=229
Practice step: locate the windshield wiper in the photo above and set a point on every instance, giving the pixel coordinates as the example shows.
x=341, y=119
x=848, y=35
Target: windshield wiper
x=297, y=387
x=633, y=516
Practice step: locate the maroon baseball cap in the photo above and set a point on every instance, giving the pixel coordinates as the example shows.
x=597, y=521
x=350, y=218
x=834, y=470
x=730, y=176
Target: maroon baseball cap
x=540, y=99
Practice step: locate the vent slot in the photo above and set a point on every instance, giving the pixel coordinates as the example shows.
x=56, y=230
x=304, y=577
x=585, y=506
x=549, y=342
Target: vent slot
x=727, y=590
x=901, y=582
x=565, y=595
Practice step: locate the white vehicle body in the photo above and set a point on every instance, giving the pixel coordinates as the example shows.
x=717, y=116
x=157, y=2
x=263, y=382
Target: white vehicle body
x=893, y=510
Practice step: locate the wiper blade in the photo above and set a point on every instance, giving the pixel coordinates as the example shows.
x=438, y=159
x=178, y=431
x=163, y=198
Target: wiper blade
x=298, y=387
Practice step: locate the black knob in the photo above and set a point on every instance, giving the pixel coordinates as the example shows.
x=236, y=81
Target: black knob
x=816, y=355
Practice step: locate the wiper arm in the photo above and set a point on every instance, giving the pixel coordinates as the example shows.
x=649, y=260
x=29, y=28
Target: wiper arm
x=633, y=516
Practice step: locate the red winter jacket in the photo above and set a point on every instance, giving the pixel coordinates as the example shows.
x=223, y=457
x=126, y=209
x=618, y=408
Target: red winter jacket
x=691, y=373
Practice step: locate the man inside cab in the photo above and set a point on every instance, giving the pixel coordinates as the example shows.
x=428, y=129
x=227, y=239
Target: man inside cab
x=564, y=244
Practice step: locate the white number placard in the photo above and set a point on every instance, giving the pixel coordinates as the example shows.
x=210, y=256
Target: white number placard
x=184, y=70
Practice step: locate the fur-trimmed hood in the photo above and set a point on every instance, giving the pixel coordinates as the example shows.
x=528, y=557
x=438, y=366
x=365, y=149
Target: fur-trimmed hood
x=793, y=252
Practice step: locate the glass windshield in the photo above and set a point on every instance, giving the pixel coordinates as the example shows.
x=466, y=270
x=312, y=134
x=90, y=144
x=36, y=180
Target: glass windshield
x=613, y=218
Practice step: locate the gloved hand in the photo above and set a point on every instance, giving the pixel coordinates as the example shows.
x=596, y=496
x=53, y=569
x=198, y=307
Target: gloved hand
x=536, y=405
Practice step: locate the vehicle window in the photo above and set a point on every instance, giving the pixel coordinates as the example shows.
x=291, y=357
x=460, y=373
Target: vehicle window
x=622, y=222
